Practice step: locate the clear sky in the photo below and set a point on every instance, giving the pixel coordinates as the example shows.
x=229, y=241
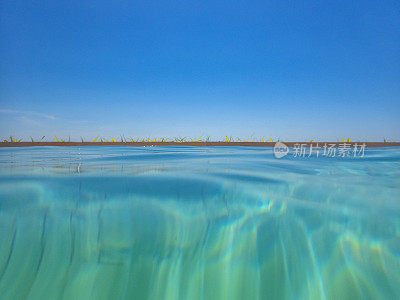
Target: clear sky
x=287, y=69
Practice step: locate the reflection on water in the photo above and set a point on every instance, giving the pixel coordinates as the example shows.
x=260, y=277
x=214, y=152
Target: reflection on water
x=197, y=223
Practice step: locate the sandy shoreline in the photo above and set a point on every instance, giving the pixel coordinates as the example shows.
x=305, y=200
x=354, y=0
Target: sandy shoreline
x=196, y=144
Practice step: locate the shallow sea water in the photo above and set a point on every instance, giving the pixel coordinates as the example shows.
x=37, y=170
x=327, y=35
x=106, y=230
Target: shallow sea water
x=197, y=223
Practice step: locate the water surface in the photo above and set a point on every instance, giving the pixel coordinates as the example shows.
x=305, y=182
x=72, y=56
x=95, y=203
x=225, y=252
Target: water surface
x=197, y=223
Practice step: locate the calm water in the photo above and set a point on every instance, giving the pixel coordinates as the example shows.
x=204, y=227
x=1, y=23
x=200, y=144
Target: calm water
x=197, y=223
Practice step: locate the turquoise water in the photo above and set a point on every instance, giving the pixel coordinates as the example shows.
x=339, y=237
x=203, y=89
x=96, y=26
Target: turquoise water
x=197, y=223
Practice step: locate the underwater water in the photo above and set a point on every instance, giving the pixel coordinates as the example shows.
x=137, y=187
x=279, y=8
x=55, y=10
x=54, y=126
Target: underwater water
x=197, y=223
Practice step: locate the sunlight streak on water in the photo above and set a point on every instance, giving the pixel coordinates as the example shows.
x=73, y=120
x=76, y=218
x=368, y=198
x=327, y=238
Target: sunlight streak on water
x=197, y=223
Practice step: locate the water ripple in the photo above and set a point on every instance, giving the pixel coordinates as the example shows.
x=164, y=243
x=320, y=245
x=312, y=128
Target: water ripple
x=197, y=223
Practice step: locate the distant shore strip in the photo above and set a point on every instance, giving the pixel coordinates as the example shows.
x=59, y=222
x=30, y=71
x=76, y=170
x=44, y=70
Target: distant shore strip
x=195, y=144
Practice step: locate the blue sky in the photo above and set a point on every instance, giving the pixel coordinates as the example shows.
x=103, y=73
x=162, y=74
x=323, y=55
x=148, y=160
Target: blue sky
x=288, y=69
